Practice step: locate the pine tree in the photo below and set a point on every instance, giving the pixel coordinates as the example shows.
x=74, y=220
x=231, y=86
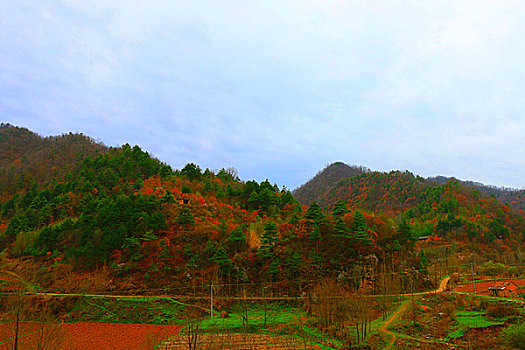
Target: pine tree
x=314, y=213
x=404, y=232
x=274, y=268
x=237, y=239
x=268, y=239
x=315, y=234
x=359, y=229
x=221, y=258
x=340, y=229
x=185, y=217
x=339, y=208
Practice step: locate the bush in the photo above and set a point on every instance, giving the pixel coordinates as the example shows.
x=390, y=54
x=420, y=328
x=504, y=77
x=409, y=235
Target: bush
x=23, y=242
x=515, y=336
x=502, y=311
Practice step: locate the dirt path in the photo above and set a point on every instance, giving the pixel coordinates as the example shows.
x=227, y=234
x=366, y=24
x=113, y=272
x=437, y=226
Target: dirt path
x=384, y=328
x=393, y=317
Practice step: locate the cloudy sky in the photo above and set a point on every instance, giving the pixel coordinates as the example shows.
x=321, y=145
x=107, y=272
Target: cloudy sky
x=277, y=89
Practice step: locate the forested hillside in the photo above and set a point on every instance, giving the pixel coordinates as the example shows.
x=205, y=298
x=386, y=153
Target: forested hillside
x=514, y=197
x=325, y=180
x=451, y=209
x=68, y=201
x=90, y=206
x=28, y=158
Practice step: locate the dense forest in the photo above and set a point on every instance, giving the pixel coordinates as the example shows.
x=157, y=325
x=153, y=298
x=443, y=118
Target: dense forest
x=70, y=200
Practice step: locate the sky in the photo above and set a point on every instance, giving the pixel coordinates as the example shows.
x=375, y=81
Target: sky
x=277, y=89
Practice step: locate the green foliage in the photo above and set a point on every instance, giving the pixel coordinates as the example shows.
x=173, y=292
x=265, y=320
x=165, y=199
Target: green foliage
x=359, y=229
x=514, y=336
x=497, y=229
x=237, y=240
x=132, y=247
x=315, y=214
x=340, y=229
x=339, y=208
x=268, y=239
x=191, y=171
x=404, y=232
x=315, y=234
x=185, y=217
x=221, y=258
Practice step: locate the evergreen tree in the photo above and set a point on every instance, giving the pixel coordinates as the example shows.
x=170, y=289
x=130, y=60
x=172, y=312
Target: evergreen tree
x=268, y=239
x=314, y=213
x=315, y=234
x=339, y=208
x=292, y=263
x=237, y=240
x=191, y=171
x=221, y=258
x=340, y=228
x=274, y=268
x=404, y=232
x=294, y=219
x=359, y=229
x=185, y=217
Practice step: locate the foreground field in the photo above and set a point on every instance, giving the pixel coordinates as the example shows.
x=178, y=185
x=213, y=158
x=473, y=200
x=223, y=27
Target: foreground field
x=87, y=336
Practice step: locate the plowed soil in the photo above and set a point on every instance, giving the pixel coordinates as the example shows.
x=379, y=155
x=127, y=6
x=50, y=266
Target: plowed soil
x=89, y=336
x=483, y=287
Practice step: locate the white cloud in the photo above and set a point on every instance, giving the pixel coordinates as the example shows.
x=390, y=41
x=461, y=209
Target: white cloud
x=402, y=84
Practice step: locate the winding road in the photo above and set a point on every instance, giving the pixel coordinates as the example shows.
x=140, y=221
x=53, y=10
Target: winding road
x=384, y=328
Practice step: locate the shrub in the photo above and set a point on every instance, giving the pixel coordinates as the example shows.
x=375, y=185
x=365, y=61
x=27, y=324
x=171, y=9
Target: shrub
x=515, y=336
x=23, y=242
x=501, y=311
x=480, y=303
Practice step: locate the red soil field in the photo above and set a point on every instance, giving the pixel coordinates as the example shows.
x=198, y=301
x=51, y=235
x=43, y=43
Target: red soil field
x=482, y=287
x=89, y=336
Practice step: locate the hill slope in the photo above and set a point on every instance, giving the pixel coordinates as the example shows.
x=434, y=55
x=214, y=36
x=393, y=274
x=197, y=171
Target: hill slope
x=324, y=181
x=28, y=158
x=450, y=209
x=514, y=197
x=92, y=207
x=73, y=203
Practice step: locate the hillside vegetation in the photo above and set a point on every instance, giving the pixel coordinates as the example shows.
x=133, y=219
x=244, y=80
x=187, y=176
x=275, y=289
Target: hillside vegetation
x=324, y=181
x=158, y=226
x=79, y=217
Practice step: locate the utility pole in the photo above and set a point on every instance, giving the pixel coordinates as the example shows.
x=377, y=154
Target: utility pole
x=473, y=281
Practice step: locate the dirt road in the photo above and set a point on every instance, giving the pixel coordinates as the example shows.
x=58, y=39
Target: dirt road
x=384, y=328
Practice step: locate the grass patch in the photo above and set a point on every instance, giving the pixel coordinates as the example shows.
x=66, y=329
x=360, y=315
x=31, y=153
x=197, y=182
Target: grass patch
x=127, y=310
x=276, y=314
x=469, y=320
x=470, y=313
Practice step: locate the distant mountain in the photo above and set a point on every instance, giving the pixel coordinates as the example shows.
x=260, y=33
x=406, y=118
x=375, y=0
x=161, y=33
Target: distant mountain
x=447, y=207
x=325, y=180
x=322, y=186
x=375, y=191
x=513, y=197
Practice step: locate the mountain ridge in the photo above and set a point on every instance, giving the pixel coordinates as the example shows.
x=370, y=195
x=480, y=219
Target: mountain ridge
x=319, y=187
